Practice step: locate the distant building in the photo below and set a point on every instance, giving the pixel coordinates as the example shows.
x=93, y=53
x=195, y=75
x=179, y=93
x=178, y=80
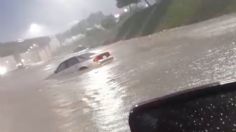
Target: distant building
x=27, y=52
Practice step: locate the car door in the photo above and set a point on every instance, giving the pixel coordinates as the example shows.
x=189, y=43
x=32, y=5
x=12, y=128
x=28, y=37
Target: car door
x=72, y=65
x=61, y=69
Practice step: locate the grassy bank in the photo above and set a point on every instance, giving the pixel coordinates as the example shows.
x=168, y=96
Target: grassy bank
x=173, y=13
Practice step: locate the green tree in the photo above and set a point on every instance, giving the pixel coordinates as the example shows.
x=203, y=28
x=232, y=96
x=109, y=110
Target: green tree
x=109, y=22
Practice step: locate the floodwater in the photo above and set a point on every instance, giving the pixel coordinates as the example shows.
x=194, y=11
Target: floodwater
x=99, y=100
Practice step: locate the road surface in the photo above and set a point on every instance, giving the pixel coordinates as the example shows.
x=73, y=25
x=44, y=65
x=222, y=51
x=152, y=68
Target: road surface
x=144, y=68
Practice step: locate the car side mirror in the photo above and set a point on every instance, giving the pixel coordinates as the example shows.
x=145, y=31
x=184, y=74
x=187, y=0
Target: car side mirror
x=208, y=108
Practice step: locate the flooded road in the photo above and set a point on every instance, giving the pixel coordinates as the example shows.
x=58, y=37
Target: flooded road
x=144, y=68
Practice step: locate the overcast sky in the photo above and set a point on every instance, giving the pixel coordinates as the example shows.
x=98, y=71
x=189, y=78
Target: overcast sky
x=17, y=16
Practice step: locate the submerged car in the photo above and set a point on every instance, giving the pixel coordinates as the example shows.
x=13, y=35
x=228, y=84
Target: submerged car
x=20, y=66
x=83, y=62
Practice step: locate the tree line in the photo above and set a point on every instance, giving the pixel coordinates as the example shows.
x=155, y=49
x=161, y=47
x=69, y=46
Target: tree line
x=123, y=3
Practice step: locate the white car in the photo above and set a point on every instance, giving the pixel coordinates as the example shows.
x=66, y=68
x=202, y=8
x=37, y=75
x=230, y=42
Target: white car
x=82, y=62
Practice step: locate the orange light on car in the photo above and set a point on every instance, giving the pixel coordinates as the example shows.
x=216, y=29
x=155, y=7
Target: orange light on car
x=101, y=56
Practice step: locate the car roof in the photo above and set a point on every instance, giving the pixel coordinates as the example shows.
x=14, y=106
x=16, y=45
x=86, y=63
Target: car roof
x=78, y=55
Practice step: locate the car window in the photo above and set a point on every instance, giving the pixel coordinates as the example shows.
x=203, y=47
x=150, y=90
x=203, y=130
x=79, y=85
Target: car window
x=66, y=64
x=85, y=56
x=72, y=62
x=61, y=67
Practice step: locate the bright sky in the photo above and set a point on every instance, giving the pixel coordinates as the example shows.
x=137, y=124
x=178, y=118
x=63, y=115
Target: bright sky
x=28, y=18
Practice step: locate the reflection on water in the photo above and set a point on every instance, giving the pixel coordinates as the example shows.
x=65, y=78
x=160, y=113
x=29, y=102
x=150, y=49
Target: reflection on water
x=104, y=96
x=94, y=103
x=218, y=65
